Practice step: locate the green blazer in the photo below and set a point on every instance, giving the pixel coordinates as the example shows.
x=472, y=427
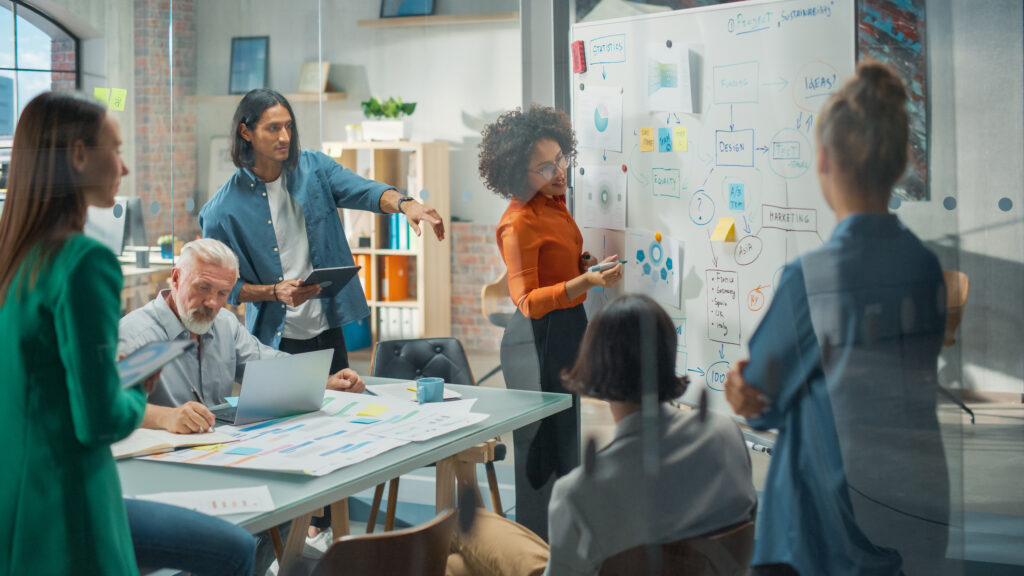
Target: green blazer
x=61, y=510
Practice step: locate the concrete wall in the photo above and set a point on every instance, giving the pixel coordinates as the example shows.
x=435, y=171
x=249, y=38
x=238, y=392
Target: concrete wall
x=976, y=79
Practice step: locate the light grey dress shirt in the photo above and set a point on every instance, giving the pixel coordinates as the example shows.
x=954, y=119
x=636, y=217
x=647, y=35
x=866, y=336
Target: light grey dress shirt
x=224, y=350
x=703, y=485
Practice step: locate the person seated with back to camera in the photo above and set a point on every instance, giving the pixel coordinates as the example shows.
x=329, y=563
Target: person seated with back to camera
x=703, y=481
x=194, y=308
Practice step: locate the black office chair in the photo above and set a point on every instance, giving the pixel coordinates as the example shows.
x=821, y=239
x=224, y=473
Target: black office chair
x=424, y=358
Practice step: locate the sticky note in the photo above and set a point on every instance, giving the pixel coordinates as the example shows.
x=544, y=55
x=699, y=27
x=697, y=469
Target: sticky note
x=664, y=139
x=679, y=139
x=232, y=400
x=210, y=448
x=373, y=410
x=101, y=94
x=118, y=97
x=365, y=420
x=243, y=451
x=647, y=139
x=725, y=231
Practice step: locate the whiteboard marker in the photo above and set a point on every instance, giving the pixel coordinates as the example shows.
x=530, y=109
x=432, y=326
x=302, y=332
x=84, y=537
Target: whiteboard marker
x=605, y=266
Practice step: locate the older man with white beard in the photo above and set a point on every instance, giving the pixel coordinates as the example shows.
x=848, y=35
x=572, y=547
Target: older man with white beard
x=193, y=308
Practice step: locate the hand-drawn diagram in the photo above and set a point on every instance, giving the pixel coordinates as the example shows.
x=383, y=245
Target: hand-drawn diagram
x=654, y=264
x=759, y=74
x=602, y=192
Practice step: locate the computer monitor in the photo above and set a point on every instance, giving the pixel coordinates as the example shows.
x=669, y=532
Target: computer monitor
x=117, y=226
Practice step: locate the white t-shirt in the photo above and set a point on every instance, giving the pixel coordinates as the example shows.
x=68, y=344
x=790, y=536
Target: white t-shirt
x=306, y=320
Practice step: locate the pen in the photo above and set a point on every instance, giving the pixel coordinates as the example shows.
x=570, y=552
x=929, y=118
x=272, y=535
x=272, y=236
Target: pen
x=605, y=266
x=195, y=393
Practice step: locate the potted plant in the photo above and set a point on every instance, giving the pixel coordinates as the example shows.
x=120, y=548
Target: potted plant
x=167, y=242
x=385, y=118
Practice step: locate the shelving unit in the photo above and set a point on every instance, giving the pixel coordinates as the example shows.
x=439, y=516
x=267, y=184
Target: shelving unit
x=430, y=268
x=439, y=20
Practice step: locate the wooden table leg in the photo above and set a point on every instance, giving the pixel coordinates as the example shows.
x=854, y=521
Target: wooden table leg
x=445, y=483
x=339, y=519
x=296, y=540
x=465, y=474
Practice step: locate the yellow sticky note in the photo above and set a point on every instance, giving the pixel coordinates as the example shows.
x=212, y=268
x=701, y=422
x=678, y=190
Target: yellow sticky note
x=101, y=94
x=679, y=139
x=725, y=231
x=373, y=410
x=647, y=139
x=210, y=448
x=118, y=97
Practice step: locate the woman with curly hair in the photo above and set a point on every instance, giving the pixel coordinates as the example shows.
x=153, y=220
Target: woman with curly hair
x=525, y=157
x=702, y=475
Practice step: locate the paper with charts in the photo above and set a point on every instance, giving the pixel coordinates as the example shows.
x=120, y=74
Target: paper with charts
x=217, y=502
x=348, y=429
x=653, y=265
x=602, y=192
x=599, y=118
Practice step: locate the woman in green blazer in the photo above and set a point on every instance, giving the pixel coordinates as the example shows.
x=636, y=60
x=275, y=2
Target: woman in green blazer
x=61, y=510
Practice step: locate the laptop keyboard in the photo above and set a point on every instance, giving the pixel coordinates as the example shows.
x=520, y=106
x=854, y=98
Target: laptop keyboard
x=225, y=414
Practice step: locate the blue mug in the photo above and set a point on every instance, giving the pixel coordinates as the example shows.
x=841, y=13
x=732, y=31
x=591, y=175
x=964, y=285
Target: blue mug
x=429, y=390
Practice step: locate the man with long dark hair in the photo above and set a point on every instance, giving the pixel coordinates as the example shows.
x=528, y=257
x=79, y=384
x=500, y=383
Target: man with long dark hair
x=279, y=213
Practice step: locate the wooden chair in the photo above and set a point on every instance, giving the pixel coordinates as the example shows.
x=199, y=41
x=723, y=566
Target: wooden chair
x=443, y=358
x=724, y=553
x=492, y=296
x=958, y=285
x=418, y=551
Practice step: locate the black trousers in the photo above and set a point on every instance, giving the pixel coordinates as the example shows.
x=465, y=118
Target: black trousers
x=533, y=354
x=330, y=339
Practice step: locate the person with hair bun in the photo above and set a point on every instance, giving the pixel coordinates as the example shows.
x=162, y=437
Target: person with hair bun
x=524, y=157
x=844, y=365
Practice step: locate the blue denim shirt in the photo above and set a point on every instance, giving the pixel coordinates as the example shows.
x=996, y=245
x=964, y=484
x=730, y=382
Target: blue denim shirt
x=848, y=352
x=239, y=215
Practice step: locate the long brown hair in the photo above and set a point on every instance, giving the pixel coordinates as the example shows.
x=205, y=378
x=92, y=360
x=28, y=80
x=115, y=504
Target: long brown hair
x=865, y=128
x=44, y=197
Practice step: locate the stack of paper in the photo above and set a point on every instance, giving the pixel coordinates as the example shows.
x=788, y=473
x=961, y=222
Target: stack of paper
x=145, y=441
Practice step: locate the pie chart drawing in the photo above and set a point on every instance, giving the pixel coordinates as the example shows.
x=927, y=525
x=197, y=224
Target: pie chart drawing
x=601, y=117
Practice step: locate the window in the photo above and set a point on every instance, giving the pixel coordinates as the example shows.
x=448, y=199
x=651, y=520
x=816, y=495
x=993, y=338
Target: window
x=36, y=55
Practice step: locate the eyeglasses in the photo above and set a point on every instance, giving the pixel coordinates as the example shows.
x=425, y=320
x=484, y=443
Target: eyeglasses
x=548, y=170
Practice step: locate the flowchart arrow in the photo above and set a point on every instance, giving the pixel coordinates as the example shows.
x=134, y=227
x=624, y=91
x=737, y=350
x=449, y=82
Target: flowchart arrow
x=604, y=154
x=762, y=149
x=714, y=258
x=697, y=370
x=746, y=225
x=604, y=73
x=721, y=352
x=781, y=83
x=731, y=125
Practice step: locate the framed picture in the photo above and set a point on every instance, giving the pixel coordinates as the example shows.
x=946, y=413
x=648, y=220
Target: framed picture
x=249, y=57
x=313, y=77
x=398, y=8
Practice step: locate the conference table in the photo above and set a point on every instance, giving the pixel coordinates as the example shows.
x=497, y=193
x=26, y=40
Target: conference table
x=297, y=497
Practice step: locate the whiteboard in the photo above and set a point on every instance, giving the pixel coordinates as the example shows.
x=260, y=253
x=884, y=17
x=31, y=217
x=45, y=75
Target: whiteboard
x=727, y=97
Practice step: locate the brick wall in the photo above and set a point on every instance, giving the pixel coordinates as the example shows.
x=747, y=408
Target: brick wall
x=154, y=163
x=62, y=61
x=475, y=262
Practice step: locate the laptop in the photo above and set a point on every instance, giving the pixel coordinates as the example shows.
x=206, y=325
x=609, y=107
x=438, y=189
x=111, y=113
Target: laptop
x=280, y=387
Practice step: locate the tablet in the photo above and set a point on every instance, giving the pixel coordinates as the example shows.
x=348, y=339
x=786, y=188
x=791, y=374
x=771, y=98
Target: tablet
x=139, y=365
x=331, y=280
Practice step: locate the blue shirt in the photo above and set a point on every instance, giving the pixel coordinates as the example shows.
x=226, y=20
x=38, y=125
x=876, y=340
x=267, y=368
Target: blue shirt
x=223, y=352
x=239, y=216
x=847, y=353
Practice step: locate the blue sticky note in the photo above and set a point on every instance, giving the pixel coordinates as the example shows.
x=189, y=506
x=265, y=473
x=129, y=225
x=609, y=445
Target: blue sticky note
x=232, y=400
x=665, y=139
x=365, y=420
x=243, y=451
